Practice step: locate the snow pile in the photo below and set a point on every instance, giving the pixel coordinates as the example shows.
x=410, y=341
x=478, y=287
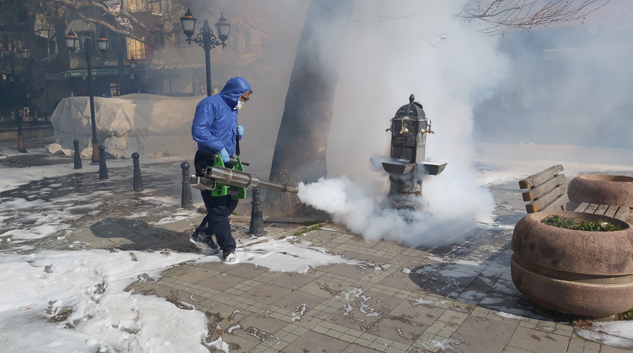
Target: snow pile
x=72, y=301
x=151, y=125
x=288, y=255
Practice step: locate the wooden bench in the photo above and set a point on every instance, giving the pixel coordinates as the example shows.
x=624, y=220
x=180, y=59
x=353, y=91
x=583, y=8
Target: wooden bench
x=545, y=192
x=619, y=212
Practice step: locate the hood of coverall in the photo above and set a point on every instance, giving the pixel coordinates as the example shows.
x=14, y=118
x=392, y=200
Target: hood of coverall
x=233, y=90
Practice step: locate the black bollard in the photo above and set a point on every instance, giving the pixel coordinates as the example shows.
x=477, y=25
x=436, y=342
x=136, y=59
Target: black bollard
x=138, y=181
x=103, y=170
x=257, y=219
x=186, y=201
x=77, y=156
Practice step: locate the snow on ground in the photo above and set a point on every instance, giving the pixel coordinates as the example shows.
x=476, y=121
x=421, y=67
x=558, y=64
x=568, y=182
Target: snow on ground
x=30, y=218
x=287, y=255
x=33, y=217
x=283, y=255
x=614, y=333
x=48, y=208
x=11, y=178
x=65, y=301
x=74, y=301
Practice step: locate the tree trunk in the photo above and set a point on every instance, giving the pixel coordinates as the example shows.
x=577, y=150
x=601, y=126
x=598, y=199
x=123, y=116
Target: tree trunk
x=61, y=61
x=305, y=125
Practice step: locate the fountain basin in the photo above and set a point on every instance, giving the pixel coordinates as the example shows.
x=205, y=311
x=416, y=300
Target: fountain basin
x=397, y=166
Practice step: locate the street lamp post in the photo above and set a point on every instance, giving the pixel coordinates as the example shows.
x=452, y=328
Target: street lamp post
x=206, y=39
x=103, y=44
x=24, y=54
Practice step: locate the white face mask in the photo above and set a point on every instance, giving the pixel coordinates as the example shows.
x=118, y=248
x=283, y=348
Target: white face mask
x=240, y=104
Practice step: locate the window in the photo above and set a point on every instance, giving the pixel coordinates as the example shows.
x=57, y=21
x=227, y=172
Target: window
x=135, y=49
x=144, y=5
x=153, y=5
x=115, y=90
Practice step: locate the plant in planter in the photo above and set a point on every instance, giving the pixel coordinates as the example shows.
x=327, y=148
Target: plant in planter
x=580, y=272
x=570, y=223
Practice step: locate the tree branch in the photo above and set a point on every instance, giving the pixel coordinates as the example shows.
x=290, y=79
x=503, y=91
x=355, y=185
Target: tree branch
x=93, y=4
x=504, y=15
x=109, y=26
x=78, y=6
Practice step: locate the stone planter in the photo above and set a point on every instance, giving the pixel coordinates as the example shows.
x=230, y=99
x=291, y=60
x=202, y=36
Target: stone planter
x=570, y=271
x=601, y=189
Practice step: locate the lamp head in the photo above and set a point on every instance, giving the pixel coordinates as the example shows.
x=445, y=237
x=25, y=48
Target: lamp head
x=188, y=23
x=103, y=43
x=24, y=54
x=224, y=28
x=71, y=41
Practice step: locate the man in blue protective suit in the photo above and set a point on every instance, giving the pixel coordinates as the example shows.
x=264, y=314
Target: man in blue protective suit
x=215, y=129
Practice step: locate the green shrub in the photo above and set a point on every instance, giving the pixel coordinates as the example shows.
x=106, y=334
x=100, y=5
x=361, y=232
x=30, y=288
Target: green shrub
x=627, y=315
x=576, y=224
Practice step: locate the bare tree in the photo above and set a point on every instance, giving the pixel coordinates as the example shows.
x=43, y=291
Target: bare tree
x=49, y=18
x=102, y=15
x=500, y=16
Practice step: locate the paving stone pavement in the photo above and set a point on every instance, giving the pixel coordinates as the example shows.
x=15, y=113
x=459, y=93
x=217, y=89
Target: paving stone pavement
x=457, y=298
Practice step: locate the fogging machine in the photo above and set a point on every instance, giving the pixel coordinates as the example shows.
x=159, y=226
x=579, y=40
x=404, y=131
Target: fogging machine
x=234, y=181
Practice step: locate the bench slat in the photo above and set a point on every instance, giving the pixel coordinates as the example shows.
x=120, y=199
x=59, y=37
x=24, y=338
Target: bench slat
x=582, y=207
x=601, y=210
x=611, y=211
x=592, y=208
x=622, y=213
x=558, y=202
x=544, y=200
x=543, y=188
x=537, y=178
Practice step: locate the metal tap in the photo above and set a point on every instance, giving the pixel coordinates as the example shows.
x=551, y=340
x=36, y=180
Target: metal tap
x=404, y=130
x=429, y=131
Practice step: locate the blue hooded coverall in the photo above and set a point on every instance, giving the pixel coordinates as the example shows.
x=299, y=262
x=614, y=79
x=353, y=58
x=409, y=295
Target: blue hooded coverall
x=214, y=128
